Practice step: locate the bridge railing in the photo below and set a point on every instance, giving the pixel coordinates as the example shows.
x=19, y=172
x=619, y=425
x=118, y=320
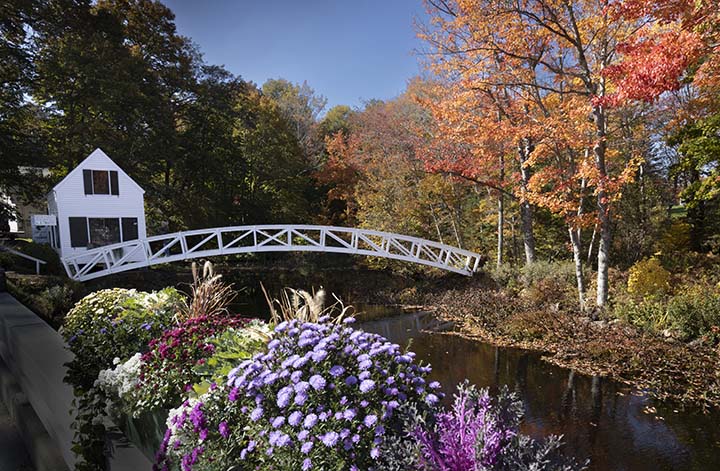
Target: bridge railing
x=184, y=245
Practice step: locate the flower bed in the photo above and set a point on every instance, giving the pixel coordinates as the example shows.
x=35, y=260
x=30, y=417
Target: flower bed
x=241, y=394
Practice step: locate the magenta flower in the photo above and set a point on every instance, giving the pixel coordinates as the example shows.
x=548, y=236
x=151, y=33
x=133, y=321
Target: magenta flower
x=224, y=429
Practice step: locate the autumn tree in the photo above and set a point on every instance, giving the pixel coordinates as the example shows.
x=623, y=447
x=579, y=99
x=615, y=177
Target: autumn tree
x=543, y=53
x=673, y=60
x=459, y=146
x=301, y=107
x=675, y=40
x=376, y=170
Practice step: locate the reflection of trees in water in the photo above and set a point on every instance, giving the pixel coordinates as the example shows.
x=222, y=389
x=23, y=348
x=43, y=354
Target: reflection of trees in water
x=568, y=402
x=496, y=368
x=595, y=420
x=596, y=409
x=521, y=373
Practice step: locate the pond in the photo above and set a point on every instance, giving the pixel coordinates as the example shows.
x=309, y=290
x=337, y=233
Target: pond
x=616, y=428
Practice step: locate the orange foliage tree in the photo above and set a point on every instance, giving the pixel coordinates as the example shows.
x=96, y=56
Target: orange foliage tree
x=532, y=72
x=374, y=172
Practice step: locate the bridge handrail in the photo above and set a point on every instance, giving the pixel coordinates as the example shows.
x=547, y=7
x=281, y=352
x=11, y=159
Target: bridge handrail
x=421, y=251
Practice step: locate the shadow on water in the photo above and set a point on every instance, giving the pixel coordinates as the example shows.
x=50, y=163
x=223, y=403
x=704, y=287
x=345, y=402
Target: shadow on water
x=600, y=419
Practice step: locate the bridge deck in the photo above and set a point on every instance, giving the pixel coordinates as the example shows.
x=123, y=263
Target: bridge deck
x=166, y=248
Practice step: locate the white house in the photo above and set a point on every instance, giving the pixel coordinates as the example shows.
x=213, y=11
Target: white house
x=96, y=204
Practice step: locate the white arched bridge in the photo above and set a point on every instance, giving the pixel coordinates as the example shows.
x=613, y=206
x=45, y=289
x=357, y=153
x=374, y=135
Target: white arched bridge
x=166, y=248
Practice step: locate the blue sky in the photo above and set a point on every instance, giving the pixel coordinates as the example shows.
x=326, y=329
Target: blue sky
x=347, y=50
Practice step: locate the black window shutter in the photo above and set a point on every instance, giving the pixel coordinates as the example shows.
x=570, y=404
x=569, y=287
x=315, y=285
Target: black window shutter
x=114, y=190
x=87, y=178
x=78, y=232
x=129, y=229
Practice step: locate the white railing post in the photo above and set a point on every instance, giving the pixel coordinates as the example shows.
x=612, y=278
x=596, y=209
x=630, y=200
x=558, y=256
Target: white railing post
x=183, y=243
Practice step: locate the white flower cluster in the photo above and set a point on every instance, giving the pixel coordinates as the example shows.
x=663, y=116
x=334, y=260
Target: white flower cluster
x=122, y=381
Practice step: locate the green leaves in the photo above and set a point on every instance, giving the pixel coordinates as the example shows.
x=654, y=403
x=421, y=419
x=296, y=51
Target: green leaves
x=207, y=147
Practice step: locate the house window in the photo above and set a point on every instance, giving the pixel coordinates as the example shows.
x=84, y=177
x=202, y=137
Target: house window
x=104, y=231
x=96, y=232
x=78, y=232
x=101, y=182
x=129, y=229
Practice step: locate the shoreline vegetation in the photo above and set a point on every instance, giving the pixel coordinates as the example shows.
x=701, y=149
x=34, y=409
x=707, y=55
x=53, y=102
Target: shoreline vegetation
x=658, y=379
x=672, y=354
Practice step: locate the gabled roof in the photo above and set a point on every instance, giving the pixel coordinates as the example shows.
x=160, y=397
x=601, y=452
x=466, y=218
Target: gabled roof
x=97, y=155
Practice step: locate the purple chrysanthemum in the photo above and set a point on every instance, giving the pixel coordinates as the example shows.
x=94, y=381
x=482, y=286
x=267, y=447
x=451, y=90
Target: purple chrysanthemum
x=367, y=385
x=329, y=439
x=317, y=382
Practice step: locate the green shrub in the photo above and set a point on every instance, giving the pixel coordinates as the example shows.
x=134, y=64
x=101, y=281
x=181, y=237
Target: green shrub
x=505, y=275
x=114, y=323
x=46, y=253
x=52, y=302
x=543, y=270
x=561, y=272
x=7, y=261
x=550, y=283
x=676, y=238
x=691, y=313
x=50, y=297
x=648, y=278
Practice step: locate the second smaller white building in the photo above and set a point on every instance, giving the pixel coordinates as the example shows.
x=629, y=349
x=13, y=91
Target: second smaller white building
x=96, y=204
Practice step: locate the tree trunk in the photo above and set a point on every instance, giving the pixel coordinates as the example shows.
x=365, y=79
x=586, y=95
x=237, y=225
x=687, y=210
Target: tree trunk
x=576, y=242
x=603, y=204
x=436, y=224
x=526, y=210
x=501, y=216
x=592, y=244
x=455, y=218
x=696, y=217
x=500, y=235
x=513, y=237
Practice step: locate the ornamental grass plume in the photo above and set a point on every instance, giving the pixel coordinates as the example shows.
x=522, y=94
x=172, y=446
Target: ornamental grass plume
x=297, y=304
x=210, y=296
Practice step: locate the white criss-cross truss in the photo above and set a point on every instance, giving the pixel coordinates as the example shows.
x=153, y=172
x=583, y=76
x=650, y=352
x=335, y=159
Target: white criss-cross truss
x=166, y=248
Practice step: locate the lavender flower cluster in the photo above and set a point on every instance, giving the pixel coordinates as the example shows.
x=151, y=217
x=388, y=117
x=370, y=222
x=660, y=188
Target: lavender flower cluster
x=322, y=396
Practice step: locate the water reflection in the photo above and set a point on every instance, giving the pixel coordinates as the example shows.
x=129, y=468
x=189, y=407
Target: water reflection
x=599, y=419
